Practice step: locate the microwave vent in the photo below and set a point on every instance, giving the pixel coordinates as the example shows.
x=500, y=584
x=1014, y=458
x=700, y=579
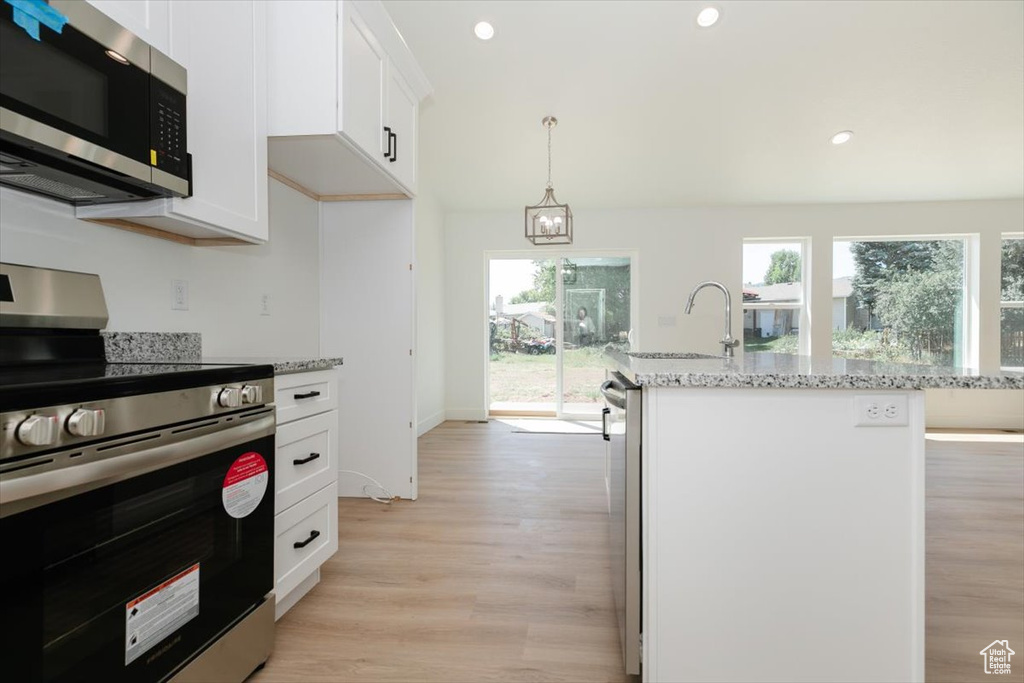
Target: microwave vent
x=52, y=187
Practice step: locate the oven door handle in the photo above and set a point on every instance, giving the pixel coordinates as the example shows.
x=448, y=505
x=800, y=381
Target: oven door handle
x=60, y=476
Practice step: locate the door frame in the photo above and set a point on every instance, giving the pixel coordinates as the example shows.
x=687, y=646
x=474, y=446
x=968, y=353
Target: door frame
x=557, y=254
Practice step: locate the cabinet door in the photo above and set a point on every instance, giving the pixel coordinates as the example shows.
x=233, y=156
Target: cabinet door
x=362, y=84
x=367, y=309
x=223, y=45
x=403, y=117
x=148, y=19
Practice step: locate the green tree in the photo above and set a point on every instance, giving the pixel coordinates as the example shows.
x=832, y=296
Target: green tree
x=878, y=263
x=920, y=307
x=784, y=267
x=1013, y=270
x=543, y=285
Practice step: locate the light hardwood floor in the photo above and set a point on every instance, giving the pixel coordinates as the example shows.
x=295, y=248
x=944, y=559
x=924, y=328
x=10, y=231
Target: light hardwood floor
x=499, y=571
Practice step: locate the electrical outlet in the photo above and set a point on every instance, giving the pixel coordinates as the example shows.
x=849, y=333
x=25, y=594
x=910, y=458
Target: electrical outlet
x=264, y=304
x=880, y=411
x=179, y=295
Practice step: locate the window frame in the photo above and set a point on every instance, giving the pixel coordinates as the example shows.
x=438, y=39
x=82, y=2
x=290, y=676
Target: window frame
x=804, y=324
x=1004, y=305
x=969, y=341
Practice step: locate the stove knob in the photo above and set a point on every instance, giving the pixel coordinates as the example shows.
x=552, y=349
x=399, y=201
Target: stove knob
x=85, y=422
x=39, y=430
x=252, y=394
x=229, y=397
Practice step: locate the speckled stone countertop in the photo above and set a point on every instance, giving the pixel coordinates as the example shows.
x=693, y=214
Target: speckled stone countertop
x=284, y=365
x=774, y=370
x=153, y=347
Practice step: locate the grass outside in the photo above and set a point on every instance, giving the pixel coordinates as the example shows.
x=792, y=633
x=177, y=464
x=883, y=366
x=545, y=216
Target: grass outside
x=523, y=378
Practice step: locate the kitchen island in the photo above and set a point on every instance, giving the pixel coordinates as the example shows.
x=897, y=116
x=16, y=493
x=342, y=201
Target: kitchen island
x=783, y=515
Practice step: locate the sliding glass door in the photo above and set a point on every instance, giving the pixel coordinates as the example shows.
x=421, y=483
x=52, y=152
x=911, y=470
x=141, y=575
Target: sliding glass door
x=549, y=323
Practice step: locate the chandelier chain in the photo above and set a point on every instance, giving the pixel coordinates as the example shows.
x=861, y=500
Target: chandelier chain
x=549, y=156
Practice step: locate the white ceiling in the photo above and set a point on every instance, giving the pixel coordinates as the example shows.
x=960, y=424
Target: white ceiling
x=654, y=111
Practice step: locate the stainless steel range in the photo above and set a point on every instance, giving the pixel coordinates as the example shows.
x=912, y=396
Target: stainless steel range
x=136, y=500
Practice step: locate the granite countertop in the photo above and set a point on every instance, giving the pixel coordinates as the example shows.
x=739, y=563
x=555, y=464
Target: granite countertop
x=283, y=365
x=774, y=370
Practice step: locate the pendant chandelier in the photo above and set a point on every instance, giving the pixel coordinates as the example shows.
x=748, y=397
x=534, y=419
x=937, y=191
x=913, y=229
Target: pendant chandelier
x=549, y=222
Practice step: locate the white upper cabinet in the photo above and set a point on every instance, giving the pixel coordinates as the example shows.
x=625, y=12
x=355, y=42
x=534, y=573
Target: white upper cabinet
x=344, y=99
x=403, y=119
x=223, y=46
x=148, y=19
x=363, y=64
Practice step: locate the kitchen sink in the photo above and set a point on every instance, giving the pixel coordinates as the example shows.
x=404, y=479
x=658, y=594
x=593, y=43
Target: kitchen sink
x=670, y=355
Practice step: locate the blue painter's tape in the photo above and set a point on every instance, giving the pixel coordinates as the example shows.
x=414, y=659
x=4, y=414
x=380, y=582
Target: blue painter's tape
x=28, y=14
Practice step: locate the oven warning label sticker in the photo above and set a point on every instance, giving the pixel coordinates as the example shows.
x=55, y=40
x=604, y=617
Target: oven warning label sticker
x=245, y=484
x=158, y=613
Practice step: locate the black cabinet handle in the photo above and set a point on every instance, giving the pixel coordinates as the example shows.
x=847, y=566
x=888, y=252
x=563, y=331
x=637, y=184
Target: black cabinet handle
x=302, y=544
x=605, y=412
x=303, y=461
x=394, y=149
x=308, y=394
x=387, y=129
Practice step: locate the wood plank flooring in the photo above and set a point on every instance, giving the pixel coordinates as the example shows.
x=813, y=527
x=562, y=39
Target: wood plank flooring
x=499, y=571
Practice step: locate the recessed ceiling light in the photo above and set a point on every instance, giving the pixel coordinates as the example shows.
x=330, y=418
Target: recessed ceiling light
x=484, y=31
x=707, y=17
x=842, y=137
x=117, y=57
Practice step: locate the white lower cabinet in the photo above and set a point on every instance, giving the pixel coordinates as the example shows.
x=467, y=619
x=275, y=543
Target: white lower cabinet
x=306, y=487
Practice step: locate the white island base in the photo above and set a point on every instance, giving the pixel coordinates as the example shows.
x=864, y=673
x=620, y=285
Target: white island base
x=781, y=542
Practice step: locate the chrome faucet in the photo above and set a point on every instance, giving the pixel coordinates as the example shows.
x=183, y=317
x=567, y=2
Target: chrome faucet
x=728, y=343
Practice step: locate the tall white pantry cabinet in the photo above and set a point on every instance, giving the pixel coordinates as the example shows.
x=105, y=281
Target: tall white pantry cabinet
x=367, y=315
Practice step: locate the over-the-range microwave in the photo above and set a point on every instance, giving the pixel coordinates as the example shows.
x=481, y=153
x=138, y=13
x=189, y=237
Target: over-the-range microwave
x=89, y=112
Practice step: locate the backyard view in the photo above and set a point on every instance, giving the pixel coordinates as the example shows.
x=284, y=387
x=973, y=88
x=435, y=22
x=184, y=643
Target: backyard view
x=525, y=323
x=892, y=300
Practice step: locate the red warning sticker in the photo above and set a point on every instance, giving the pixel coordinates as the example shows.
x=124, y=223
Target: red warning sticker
x=245, y=484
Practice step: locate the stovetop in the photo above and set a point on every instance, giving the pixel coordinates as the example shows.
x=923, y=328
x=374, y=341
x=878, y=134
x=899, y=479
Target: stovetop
x=33, y=386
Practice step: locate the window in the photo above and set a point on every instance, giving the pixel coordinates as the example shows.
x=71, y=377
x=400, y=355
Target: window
x=899, y=300
x=1011, y=304
x=774, y=314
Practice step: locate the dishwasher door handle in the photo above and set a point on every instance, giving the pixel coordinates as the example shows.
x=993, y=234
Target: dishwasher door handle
x=614, y=397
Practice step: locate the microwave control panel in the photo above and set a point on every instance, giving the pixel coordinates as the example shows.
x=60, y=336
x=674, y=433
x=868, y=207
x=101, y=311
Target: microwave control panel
x=168, y=144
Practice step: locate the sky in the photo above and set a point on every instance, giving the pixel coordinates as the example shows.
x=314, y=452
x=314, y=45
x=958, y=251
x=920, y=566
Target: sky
x=758, y=255
x=509, y=277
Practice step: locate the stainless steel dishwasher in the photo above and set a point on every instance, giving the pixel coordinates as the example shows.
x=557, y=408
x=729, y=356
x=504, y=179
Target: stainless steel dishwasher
x=621, y=428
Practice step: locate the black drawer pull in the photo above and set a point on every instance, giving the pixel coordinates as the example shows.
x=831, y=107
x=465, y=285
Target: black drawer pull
x=302, y=544
x=308, y=394
x=303, y=461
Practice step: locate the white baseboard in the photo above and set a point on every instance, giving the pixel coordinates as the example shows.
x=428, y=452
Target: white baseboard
x=465, y=414
x=429, y=423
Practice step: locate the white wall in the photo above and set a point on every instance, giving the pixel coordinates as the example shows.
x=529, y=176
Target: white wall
x=430, y=316
x=679, y=247
x=224, y=283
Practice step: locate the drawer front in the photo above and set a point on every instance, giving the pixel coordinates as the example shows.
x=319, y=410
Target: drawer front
x=306, y=458
x=311, y=523
x=304, y=393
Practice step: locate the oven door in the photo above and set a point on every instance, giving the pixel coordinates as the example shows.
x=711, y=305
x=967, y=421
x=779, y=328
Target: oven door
x=162, y=546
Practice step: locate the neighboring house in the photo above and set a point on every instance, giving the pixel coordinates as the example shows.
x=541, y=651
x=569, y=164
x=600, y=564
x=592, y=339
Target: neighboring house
x=534, y=315
x=776, y=308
